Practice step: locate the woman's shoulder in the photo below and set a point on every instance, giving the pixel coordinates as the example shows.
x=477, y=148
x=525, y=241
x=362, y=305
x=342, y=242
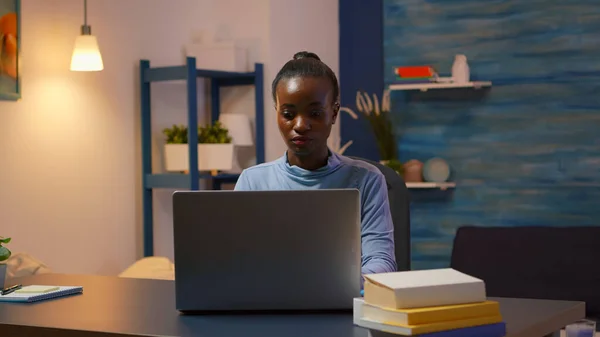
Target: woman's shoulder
x=364, y=166
x=366, y=173
x=367, y=176
x=257, y=177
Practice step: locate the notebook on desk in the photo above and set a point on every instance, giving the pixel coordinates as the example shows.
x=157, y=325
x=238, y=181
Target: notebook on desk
x=34, y=293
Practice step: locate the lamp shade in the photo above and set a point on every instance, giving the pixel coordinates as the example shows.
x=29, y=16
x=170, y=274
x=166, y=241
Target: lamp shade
x=86, y=54
x=239, y=128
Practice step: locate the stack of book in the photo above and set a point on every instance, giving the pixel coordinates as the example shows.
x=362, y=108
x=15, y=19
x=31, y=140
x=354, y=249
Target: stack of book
x=427, y=303
x=415, y=74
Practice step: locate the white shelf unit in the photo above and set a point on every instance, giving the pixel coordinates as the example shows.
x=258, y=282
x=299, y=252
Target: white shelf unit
x=436, y=85
x=431, y=185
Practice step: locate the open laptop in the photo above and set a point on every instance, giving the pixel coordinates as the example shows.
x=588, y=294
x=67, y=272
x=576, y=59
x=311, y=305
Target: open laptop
x=266, y=250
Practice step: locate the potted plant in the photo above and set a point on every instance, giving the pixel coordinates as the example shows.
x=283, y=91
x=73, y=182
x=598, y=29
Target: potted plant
x=176, y=149
x=379, y=121
x=215, y=149
x=4, y=255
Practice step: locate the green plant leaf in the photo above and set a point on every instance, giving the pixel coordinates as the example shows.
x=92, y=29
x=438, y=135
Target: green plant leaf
x=213, y=134
x=383, y=130
x=4, y=240
x=396, y=165
x=4, y=253
x=177, y=134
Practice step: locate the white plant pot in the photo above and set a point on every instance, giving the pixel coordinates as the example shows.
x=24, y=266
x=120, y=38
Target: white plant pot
x=215, y=157
x=211, y=157
x=3, y=268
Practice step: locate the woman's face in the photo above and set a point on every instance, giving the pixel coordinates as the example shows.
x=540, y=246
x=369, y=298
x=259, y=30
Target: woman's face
x=306, y=110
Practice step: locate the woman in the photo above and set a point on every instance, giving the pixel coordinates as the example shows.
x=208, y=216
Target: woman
x=306, y=97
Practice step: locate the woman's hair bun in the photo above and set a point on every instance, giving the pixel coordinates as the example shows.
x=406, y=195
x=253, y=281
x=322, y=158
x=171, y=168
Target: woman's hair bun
x=306, y=55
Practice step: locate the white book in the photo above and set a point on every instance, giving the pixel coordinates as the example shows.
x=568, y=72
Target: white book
x=422, y=288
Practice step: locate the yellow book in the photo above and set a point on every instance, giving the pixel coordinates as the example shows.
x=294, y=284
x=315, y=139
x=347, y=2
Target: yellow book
x=361, y=319
x=431, y=314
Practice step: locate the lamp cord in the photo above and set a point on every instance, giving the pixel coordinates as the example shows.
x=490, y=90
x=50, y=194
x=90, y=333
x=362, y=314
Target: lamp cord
x=85, y=12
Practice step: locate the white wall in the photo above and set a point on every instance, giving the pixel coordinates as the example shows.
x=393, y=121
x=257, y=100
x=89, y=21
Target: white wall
x=310, y=25
x=70, y=177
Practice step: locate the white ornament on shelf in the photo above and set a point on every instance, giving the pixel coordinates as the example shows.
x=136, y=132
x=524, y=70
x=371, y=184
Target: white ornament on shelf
x=460, y=69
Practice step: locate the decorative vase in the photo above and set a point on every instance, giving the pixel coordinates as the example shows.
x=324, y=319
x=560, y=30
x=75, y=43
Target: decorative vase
x=413, y=171
x=436, y=170
x=211, y=157
x=460, y=69
x=3, y=268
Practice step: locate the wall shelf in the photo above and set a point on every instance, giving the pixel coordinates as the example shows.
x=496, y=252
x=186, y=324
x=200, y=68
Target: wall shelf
x=431, y=185
x=177, y=180
x=435, y=85
x=191, y=181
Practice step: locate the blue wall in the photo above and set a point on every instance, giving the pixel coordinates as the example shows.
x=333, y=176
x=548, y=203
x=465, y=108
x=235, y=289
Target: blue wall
x=361, y=68
x=528, y=151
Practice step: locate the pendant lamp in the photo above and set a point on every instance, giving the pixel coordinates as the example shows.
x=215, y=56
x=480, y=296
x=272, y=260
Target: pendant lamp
x=86, y=54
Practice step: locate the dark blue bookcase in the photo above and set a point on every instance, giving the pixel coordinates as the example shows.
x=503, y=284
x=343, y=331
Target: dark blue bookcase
x=191, y=181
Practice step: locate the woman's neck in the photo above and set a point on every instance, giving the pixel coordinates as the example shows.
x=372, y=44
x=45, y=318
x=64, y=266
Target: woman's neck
x=310, y=162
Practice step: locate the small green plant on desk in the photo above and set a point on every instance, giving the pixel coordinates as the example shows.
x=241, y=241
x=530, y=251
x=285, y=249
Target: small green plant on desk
x=4, y=255
x=4, y=252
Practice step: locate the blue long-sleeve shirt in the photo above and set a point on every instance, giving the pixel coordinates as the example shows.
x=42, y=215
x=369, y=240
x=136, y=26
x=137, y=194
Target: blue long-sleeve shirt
x=377, y=230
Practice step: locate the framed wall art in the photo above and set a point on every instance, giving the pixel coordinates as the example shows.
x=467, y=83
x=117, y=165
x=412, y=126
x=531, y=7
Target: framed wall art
x=10, y=49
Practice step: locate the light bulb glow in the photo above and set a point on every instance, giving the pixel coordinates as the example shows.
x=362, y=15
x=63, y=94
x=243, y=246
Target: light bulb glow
x=86, y=54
